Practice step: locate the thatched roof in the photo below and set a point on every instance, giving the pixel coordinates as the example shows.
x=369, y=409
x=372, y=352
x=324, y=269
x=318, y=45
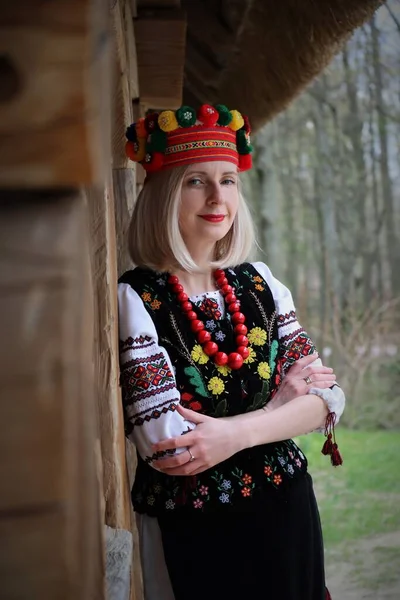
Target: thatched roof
x=257, y=55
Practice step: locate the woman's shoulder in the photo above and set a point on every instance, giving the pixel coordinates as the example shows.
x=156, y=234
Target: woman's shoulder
x=280, y=292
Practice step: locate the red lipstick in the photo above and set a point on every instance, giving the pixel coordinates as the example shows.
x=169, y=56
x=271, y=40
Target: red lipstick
x=213, y=218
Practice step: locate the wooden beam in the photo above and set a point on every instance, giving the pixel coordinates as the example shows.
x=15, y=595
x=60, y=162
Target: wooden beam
x=53, y=124
x=160, y=41
x=158, y=3
x=104, y=276
x=50, y=510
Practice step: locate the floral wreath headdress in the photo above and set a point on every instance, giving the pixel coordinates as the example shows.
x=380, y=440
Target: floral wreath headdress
x=173, y=138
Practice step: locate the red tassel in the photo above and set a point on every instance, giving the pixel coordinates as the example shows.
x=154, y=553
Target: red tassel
x=245, y=162
x=327, y=447
x=330, y=446
x=336, y=458
x=327, y=595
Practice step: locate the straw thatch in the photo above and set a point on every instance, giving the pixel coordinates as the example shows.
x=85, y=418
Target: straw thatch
x=257, y=55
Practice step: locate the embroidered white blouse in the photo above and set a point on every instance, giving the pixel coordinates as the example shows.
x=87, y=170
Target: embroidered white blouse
x=136, y=323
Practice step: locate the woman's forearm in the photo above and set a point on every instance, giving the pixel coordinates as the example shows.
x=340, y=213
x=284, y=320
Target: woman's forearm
x=302, y=415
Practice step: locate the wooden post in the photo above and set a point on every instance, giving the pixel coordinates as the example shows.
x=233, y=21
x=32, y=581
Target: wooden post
x=50, y=523
x=54, y=137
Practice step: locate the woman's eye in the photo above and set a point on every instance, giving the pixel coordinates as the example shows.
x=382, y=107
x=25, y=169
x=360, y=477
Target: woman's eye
x=228, y=182
x=195, y=181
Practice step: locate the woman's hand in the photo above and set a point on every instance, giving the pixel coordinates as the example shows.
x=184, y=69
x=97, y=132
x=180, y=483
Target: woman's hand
x=213, y=441
x=300, y=377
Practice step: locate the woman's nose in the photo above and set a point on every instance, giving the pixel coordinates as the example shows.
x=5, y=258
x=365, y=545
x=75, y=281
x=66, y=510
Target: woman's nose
x=215, y=195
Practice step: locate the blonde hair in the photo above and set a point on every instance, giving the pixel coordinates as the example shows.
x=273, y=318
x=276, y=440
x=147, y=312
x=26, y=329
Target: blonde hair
x=155, y=240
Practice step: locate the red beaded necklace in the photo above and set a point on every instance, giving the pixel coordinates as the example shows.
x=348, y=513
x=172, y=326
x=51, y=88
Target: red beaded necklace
x=234, y=360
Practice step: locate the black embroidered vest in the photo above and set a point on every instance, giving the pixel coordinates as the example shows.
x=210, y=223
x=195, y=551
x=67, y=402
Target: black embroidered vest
x=242, y=480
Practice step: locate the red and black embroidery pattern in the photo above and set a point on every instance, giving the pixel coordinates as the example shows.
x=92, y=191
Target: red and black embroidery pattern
x=302, y=345
x=210, y=307
x=147, y=382
x=154, y=373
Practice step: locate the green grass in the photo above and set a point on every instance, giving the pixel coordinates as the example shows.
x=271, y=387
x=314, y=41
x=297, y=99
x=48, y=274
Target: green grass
x=362, y=497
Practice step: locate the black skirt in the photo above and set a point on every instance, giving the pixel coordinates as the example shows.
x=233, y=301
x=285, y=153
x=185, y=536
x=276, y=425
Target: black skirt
x=273, y=553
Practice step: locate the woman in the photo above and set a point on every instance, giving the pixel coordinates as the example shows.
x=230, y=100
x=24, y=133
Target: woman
x=217, y=376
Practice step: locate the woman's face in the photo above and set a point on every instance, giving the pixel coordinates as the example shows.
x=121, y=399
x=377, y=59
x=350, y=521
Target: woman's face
x=209, y=202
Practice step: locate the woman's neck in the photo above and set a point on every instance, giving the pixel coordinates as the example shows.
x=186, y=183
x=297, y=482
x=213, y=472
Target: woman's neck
x=196, y=283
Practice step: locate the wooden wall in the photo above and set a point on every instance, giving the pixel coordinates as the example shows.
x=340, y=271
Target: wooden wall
x=69, y=77
x=54, y=138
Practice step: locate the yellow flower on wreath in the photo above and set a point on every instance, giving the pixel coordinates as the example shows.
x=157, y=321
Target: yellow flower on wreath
x=216, y=385
x=259, y=287
x=224, y=370
x=257, y=279
x=199, y=355
x=251, y=357
x=257, y=336
x=167, y=121
x=264, y=370
x=146, y=297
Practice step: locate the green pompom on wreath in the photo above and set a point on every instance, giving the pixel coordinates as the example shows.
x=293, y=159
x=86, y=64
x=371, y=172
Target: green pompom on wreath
x=157, y=141
x=242, y=144
x=186, y=116
x=225, y=115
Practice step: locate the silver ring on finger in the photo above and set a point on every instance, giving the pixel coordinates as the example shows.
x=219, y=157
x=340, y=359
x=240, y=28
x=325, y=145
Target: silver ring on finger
x=191, y=459
x=308, y=380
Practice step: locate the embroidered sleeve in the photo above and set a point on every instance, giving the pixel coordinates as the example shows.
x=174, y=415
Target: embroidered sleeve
x=149, y=392
x=295, y=342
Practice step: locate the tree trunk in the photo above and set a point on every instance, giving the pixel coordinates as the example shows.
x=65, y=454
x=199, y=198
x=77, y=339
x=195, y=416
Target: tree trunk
x=393, y=248
x=354, y=131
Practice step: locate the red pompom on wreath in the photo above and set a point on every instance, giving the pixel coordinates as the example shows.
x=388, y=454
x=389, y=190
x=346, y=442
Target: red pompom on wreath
x=153, y=162
x=151, y=122
x=208, y=115
x=233, y=360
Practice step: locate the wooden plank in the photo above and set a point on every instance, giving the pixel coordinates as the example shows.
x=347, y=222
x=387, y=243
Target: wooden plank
x=132, y=69
x=53, y=127
x=160, y=42
x=158, y=3
x=104, y=277
x=33, y=556
x=124, y=188
x=122, y=101
x=50, y=523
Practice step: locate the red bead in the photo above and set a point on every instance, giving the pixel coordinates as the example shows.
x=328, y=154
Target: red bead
x=243, y=351
x=196, y=325
x=238, y=317
x=234, y=307
x=178, y=288
x=173, y=279
x=186, y=306
x=230, y=298
x=203, y=336
x=226, y=289
x=240, y=329
x=210, y=348
x=222, y=281
x=219, y=273
x=182, y=297
x=191, y=315
x=220, y=359
x=242, y=340
x=235, y=360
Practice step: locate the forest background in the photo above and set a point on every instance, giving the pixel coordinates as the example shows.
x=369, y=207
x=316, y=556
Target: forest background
x=325, y=194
